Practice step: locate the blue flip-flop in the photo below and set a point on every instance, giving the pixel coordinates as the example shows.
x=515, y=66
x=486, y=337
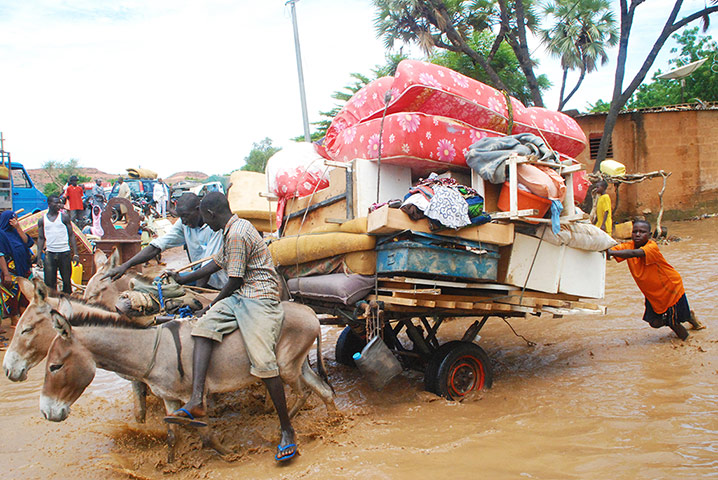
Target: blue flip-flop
x=280, y=450
x=182, y=416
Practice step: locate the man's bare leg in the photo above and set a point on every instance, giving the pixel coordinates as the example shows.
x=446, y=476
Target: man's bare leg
x=275, y=387
x=200, y=363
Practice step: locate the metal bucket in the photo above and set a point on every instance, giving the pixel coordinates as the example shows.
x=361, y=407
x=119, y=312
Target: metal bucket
x=377, y=363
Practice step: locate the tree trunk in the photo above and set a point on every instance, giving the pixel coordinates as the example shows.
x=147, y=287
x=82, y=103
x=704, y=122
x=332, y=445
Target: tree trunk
x=563, y=89
x=459, y=43
x=575, y=89
x=524, y=56
x=517, y=41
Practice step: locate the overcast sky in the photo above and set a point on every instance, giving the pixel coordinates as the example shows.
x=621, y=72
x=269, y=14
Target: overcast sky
x=177, y=85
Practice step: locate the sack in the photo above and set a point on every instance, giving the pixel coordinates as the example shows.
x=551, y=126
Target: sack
x=583, y=236
x=613, y=168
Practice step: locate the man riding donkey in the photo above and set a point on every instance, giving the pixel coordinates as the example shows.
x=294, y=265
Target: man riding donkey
x=190, y=232
x=248, y=301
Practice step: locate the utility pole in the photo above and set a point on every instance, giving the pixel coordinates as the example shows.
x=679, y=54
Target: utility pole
x=300, y=72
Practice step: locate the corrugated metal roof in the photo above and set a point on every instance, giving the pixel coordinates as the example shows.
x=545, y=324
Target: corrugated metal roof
x=685, y=107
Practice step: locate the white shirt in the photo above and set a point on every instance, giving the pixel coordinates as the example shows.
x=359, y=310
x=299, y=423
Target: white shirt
x=124, y=191
x=159, y=192
x=56, y=239
x=201, y=243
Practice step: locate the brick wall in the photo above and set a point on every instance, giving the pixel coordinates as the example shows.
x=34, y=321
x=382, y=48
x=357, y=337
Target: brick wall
x=684, y=143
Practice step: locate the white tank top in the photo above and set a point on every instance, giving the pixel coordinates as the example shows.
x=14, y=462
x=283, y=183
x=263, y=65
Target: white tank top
x=56, y=240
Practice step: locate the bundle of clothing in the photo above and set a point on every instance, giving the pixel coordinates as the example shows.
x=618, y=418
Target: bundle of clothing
x=164, y=295
x=445, y=202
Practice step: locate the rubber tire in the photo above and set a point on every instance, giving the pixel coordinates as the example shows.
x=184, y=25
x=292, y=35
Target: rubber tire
x=348, y=344
x=458, y=357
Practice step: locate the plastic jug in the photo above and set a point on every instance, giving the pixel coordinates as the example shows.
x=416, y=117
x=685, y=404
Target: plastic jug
x=76, y=273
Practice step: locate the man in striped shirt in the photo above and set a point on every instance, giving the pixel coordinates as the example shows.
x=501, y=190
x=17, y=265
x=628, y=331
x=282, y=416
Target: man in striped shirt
x=248, y=301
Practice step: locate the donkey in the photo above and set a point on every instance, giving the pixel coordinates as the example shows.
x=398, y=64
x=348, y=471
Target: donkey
x=34, y=334
x=156, y=358
x=105, y=291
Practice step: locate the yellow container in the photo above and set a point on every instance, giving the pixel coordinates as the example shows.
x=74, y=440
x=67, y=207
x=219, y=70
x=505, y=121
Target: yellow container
x=77, y=273
x=623, y=230
x=613, y=168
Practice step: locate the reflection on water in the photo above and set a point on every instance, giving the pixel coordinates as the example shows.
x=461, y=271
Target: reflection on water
x=598, y=397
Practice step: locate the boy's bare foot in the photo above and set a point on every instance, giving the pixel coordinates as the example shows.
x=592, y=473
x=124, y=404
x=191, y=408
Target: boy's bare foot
x=695, y=323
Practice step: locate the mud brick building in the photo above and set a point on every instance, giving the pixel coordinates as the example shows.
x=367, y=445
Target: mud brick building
x=681, y=139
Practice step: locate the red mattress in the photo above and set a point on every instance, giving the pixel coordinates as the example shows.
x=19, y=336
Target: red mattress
x=424, y=142
x=434, y=90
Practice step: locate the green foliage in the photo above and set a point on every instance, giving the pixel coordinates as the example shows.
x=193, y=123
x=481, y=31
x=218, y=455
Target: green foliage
x=504, y=62
x=256, y=161
x=59, y=172
x=51, y=189
x=579, y=33
x=599, y=107
x=701, y=84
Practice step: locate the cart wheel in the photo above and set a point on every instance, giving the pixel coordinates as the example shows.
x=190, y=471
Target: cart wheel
x=348, y=344
x=456, y=369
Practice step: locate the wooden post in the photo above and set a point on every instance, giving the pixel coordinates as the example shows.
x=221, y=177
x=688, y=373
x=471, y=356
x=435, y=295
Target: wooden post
x=659, y=229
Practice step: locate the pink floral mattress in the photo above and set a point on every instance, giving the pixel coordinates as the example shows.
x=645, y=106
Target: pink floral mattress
x=421, y=141
x=434, y=90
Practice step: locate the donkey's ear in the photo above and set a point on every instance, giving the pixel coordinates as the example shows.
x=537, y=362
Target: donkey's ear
x=100, y=259
x=26, y=287
x=115, y=258
x=64, y=307
x=41, y=292
x=60, y=324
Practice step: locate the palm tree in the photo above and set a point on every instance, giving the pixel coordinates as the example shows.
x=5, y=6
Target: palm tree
x=581, y=32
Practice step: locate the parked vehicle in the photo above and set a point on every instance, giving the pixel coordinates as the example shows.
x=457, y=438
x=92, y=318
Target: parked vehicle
x=140, y=188
x=17, y=190
x=205, y=188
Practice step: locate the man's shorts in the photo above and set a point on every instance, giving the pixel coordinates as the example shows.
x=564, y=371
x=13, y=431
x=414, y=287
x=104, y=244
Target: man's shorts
x=259, y=320
x=678, y=313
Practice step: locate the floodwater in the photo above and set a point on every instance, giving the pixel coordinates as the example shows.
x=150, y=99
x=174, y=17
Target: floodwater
x=598, y=397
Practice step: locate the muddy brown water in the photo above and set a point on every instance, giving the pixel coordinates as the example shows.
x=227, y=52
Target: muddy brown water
x=598, y=397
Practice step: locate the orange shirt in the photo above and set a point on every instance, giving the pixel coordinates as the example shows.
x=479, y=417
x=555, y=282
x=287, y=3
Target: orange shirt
x=656, y=278
x=74, y=197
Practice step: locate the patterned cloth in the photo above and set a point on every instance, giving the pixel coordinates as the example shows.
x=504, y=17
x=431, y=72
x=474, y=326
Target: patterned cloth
x=448, y=207
x=245, y=255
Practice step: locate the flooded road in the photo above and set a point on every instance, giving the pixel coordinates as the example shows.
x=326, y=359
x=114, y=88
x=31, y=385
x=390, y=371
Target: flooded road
x=598, y=397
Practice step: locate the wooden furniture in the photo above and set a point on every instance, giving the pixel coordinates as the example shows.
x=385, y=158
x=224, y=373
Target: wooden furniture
x=127, y=240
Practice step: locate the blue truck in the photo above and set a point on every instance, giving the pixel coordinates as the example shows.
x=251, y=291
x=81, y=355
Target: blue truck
x=17, y=190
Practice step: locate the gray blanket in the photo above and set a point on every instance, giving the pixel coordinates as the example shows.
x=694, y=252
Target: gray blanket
x=488, y=156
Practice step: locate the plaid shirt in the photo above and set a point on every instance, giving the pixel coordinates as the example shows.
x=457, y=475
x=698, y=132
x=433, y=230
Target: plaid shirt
x=245, y=255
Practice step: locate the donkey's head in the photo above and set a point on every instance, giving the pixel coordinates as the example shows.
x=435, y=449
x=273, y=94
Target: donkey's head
x=33, y=334
x=104, y=291
x=70, y=368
